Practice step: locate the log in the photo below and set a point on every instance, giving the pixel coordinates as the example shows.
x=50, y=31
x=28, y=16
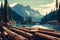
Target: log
x=5, y=34
x=26, y=30
x=40, y=36
x=31, y=29
x=0, y=38
x=0, y=34
x=13, y=35
x=56, y=34
x=25, y=34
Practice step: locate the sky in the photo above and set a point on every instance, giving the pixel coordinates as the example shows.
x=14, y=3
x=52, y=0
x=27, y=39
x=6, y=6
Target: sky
x=43, y=6
x=33, y=3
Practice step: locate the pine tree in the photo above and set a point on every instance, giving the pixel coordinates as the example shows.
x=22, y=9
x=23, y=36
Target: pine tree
x=1, y=12
x=6, y=18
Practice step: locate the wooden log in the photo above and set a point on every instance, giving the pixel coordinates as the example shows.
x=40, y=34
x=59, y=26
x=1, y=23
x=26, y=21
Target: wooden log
x=35, y=30
x=13, y=35
x=0, y=38
x=25, y=34
x=26, y=30
x=5, y=34
x=52, y=30
x=40, y=36
x=22, y=29
x=56, y=34
x=0, y=34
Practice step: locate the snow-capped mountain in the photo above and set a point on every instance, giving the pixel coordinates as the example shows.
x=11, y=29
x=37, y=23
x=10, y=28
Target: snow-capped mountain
x=27, y=11
x=19, y=9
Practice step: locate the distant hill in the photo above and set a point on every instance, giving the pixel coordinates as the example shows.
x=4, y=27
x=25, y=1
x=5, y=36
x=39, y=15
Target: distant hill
x=51, y=16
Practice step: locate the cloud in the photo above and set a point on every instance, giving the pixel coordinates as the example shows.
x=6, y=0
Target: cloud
x=58, y=0
x=11, y=5
x=0, y=3
x=43, y=9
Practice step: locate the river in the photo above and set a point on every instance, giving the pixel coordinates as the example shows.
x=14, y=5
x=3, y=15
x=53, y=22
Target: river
x=55, y=27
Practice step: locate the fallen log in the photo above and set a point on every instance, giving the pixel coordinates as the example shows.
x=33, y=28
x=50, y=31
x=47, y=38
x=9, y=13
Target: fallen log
x=25, y=34
x=13, y=35
x=0, y=38
x=5, y=34
x=26, y=30
x=0, y=34
x=56, y=34
x=40, y=36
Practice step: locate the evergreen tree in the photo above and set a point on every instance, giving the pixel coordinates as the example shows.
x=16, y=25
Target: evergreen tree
x=1, y=11
x=58, y=14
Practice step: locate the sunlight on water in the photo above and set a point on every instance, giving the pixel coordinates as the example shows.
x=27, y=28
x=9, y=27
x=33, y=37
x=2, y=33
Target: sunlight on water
x=39, y=26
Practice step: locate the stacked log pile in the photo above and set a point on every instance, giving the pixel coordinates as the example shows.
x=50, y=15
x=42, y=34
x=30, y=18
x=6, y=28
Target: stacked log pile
x=24, y=33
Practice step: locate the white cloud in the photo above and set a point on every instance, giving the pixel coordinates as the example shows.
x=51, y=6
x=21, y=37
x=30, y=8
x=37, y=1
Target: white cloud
x=11, y=5
x=43, y=9
x=0, y=3
x=58, y=0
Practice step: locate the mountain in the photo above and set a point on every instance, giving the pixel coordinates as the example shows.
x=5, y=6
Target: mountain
x=13, y=15
x=20, y=10
x=34, y=14
x=27, y=11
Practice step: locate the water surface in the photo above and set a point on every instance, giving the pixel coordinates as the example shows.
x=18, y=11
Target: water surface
x=55, y=27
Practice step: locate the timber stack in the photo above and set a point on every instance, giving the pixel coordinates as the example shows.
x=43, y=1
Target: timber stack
x=25, y=33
